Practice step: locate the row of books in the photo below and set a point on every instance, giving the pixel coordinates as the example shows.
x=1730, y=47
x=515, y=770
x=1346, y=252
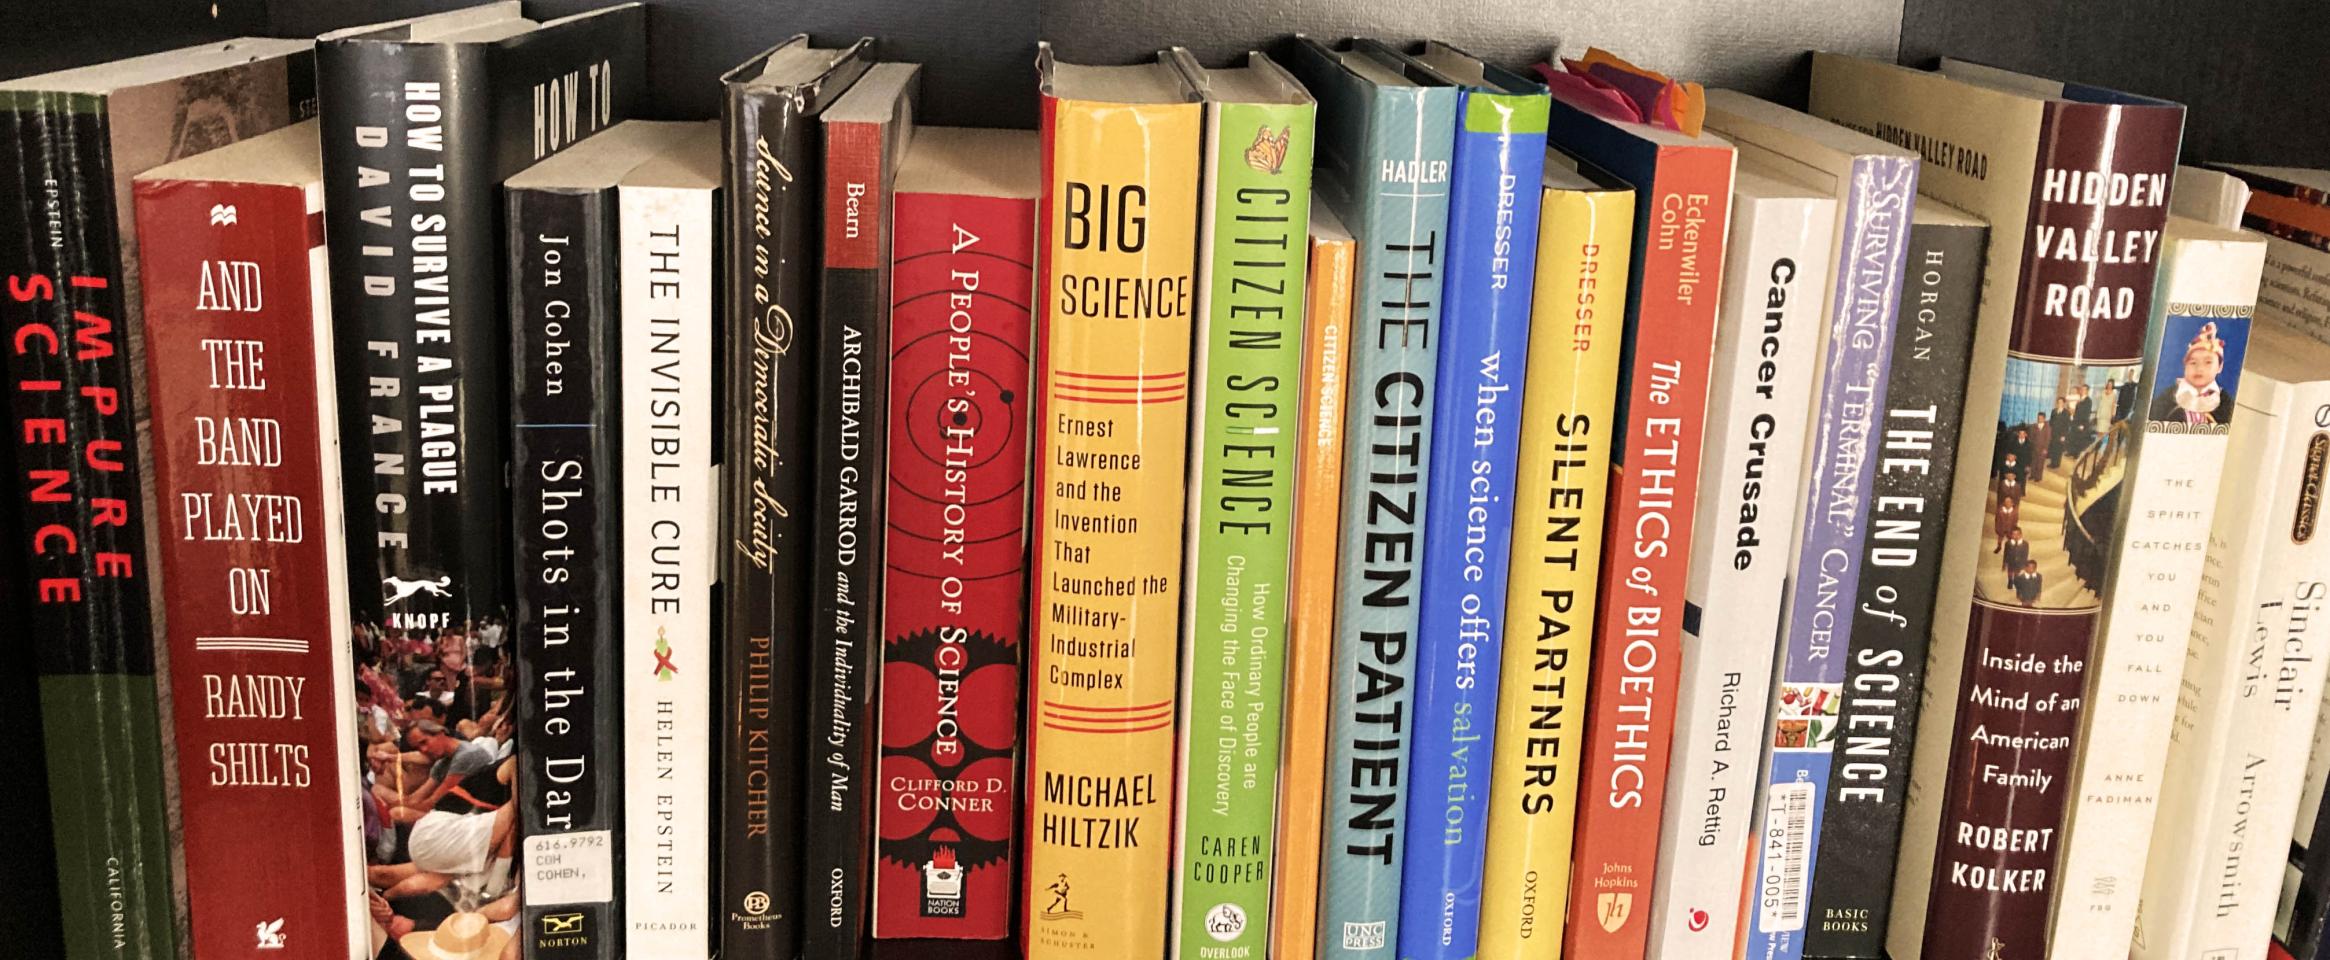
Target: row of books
x=1357, y=502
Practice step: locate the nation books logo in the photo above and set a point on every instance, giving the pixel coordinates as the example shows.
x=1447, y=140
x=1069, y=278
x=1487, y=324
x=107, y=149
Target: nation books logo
x=942, y=884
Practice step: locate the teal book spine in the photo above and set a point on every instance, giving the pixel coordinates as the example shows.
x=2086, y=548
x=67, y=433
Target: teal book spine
x=1383, y=163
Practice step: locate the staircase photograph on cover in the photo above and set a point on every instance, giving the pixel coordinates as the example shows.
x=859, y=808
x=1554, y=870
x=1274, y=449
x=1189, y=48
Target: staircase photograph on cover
x=2062, y=450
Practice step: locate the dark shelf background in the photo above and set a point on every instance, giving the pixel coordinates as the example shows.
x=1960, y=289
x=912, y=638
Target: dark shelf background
x=2253, y=71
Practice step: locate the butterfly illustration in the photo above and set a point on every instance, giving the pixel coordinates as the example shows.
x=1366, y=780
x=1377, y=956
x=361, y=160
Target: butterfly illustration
x=1269, y=153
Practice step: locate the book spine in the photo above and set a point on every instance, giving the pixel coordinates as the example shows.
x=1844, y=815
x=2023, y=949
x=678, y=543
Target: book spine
x=2254, y=676
x=1248, y=381
x=1310, y=656
x=1909, y=508
x=1670, y=331
x=80, y=572
x=668, y=561
x=2308, y=923
x=1584, y=239
x=768, y=377
x=1117, y=252
x=2208, y=294
x=1493, y=214
x=956, y=561
x=1774, y=278
x=411, y=210
x=564, y=402
x=851, y=488
x=238, y=368
x=1873, y=239
x=1401, y=222
x=2080, y=309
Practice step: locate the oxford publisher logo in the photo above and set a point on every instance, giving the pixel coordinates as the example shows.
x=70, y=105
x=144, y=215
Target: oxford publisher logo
x=1225, y=922
x=223, y=215
x=562, y=924
x=1364, y=936
x=271, y=934
x=1614, y=909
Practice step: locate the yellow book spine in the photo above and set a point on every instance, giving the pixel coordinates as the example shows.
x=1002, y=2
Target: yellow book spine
x=1310, y=644
x=1119, y=251
x=1567, y=424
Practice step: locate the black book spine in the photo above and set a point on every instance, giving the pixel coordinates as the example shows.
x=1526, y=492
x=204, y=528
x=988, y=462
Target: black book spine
x=852, y=484
x=77, y=573
x=2310, y=911
x=411, y=219
x=769, y=381
x=566, y=494
x=1852, y=887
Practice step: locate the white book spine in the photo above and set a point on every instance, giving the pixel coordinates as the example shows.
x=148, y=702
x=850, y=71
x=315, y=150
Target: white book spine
x=2132, y=700
x=2251, y=693
x=1767, y=345
x=669, y=492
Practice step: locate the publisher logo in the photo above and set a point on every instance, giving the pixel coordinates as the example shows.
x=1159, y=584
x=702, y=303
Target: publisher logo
x=1698, y=920
x=1614, y=909
x=223, y=215
x=664, y=669
x=562, y=924
x=2310, y=489
x=1057, y=908
x=1225, y=922
x=756, y=903
x=1363, y=936
x=942, y=884
x=270, y=931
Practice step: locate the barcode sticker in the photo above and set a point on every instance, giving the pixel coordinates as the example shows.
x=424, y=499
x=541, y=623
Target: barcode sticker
x=1787, y=854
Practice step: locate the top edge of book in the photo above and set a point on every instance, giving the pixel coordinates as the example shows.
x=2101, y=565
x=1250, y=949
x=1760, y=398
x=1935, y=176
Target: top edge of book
x=2286, y=355
x=1763, y=186
x=2181, y=227
x=1455, y=67
x=792, y=63
x=288, y=156
x=2283, y=177
x=874, y=97
x=1257, y=80
x=1930, y=210
x=601, y=159
x=1568, y=171
x=482, y=24
x=1152, y=82
x=1326, y=227
x=1739, y=116
x=167, y=65
x=970, y=161
x=2005, y=84
x=1648, y=132
x=1369, y=61
x=690, y=163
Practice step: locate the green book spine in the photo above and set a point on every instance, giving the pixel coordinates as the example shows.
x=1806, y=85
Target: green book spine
x=1254, y=229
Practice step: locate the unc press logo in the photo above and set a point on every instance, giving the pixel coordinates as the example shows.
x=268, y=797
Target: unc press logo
x=1364, y=936
x=1225, y=922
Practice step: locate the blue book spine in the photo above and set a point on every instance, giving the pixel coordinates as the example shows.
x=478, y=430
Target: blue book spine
x=1476, y=436
x=1382, y=165
x=1873, y=240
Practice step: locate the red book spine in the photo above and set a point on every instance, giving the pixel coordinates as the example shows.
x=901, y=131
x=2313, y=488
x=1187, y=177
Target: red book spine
x=955, y=586
x=1654, y=484
x=256, y=591
x=2098, y=203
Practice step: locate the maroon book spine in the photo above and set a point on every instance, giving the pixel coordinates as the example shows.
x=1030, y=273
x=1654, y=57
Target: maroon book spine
x=954, y=594
x=2099, y=199
x=256, y=603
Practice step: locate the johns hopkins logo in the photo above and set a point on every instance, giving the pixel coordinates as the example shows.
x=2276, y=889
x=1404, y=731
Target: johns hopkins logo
x=1225, y=922
x=271, y=934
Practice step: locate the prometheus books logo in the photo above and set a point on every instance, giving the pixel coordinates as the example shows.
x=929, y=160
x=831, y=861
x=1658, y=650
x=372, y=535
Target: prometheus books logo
x=756, y=903
x=664, y=669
